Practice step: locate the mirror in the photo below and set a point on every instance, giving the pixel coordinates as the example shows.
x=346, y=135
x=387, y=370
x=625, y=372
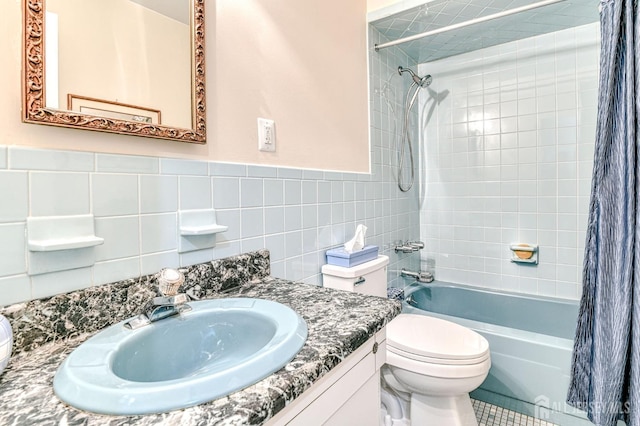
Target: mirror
x=140, y=73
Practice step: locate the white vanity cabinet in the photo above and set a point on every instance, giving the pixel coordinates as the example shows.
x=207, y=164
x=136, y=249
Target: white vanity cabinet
x=348, y=395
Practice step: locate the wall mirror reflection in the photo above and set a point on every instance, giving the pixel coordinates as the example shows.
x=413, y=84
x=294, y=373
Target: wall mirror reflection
x=124, y=66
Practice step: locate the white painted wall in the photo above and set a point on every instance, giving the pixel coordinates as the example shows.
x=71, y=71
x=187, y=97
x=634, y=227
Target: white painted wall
x=302, y=64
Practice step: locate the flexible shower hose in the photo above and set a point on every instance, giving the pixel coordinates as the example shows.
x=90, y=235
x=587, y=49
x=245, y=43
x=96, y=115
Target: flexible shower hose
x=406, y=138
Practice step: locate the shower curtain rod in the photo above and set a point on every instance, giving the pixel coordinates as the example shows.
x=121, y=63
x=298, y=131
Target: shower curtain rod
x=467, y=23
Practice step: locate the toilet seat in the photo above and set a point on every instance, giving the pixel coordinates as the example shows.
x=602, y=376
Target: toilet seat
x=443, y=371
x=433, y=360
x=436, y=341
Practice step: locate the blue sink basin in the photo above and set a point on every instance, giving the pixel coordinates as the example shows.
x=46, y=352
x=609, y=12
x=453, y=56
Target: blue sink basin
x=219, y=347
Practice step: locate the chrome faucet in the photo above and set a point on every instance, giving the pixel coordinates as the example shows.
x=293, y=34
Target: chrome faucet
x=168, y=304
x=421, y=276
x=409, y=246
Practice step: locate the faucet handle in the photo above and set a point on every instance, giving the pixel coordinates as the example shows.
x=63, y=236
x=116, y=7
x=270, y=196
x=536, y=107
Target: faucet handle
x=417, y=244
x=170, y=281
x=425, y=277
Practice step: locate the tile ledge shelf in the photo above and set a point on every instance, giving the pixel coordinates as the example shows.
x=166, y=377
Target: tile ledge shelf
x=202, y=230
x=198, y=229
x=51, y=239
x=65, y=243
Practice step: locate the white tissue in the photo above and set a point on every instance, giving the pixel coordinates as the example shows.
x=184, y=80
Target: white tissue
x=357, y=242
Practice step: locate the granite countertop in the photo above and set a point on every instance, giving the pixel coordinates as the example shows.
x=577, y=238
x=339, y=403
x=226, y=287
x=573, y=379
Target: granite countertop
x=338, y=323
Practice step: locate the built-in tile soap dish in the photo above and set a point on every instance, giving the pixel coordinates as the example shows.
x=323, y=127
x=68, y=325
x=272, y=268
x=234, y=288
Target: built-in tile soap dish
x=198, y=229
x=61, y=233
x=58, y=243
x=65, y=243
x=202, y=230
x=524, y=253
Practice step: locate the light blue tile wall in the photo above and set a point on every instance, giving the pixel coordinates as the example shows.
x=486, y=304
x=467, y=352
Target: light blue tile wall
x=106, y=188
x=127, y=164
x=296, y=214
x=14, y=188
x=124, y=241
x=195, y=192
x=60, y=282
x=12, y=259
x=158, y=193
x=58, y=193
x=34, y=159
x=3, y=157
x=509, y=156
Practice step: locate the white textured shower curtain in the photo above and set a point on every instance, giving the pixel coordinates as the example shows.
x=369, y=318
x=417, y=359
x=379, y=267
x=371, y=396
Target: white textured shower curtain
x=605, y=372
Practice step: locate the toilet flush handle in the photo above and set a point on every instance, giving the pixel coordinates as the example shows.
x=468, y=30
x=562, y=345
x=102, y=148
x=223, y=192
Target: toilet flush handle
x=360, y=281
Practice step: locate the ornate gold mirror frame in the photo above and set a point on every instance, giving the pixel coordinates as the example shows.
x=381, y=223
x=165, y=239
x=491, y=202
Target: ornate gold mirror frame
x=33, y=95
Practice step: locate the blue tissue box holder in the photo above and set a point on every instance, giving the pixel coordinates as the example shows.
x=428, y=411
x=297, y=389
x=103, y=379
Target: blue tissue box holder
x=340, y=257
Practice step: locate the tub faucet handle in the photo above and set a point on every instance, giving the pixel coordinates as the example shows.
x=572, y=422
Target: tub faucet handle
x=420, y=276
x=425, y=277
x=409, y=246
x=419, y=245
x=405, y=247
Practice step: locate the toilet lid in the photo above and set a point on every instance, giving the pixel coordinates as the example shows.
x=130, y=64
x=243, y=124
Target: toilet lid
x=435, y=338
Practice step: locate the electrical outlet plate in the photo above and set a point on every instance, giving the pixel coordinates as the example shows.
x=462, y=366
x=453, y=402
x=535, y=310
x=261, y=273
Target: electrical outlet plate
x=266, y=135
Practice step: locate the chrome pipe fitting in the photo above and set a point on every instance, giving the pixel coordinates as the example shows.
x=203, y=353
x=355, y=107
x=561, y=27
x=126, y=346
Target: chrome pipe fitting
x=421, y=276
x=409, y=247
x=419, y=245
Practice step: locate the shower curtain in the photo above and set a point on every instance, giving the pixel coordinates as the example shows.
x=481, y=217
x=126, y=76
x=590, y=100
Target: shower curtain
x=605, y=372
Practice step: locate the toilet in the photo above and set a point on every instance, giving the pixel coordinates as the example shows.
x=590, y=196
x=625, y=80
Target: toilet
x=432, y=363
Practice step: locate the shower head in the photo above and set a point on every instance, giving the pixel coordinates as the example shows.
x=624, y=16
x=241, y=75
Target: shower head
x=420, y=81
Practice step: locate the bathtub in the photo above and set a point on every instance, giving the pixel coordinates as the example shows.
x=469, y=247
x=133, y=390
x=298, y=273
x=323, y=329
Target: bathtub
x=530, y=338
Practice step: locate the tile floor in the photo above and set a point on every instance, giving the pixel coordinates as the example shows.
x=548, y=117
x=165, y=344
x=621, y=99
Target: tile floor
x=492, y=415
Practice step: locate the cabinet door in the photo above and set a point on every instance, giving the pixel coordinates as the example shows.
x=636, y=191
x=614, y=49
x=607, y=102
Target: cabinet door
x=362, y=409
x=341, y=393
x=347, y=395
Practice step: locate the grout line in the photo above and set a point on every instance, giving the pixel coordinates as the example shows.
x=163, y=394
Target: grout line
x=491, y=415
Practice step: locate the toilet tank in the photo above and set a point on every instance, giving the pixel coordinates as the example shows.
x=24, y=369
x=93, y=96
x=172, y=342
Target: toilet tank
x=367, y=278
